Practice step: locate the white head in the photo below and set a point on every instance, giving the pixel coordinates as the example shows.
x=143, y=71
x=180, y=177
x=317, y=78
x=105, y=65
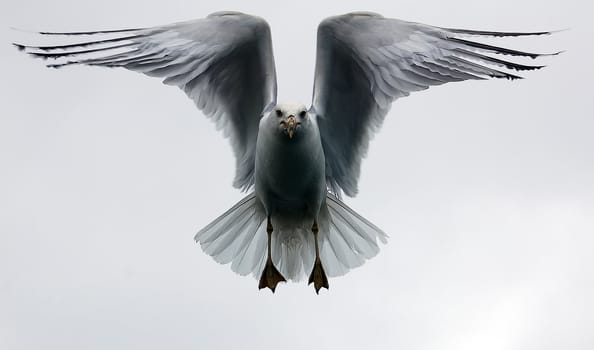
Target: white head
x=291, y=119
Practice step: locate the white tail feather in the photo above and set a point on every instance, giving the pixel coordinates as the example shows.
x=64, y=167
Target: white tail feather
x=239, y=237
x=349, y=240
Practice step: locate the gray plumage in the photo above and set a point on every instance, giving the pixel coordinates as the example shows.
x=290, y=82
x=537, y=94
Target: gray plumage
x=298, y=160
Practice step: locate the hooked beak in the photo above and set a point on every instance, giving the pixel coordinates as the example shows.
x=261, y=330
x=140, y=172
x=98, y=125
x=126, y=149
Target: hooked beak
x=291, y=125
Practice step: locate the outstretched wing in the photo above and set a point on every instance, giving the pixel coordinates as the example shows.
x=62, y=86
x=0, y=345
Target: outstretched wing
x=365, y=61
x=224, y=63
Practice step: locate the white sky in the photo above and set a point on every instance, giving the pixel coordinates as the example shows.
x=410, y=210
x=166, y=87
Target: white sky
x=486, y=189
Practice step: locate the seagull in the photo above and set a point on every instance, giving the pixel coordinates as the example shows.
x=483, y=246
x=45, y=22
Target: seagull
x=295, y=161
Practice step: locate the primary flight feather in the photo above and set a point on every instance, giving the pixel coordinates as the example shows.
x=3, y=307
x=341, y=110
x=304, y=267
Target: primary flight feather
x=297, y=160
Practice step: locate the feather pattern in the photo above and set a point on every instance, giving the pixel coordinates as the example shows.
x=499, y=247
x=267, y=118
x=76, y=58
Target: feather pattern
x=365, y=62
x=349, y=239
x=224, y=63
x=238, y=237
x=229, y=74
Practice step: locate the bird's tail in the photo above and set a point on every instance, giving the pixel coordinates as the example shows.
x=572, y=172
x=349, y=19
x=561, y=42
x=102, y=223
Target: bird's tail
x=239, y=237
x=348, y=239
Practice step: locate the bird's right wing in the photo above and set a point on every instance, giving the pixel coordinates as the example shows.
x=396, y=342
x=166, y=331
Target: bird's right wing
x=365, y=61
x=223, y=62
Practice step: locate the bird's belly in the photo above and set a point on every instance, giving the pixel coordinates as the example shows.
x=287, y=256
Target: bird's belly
x=290, y=180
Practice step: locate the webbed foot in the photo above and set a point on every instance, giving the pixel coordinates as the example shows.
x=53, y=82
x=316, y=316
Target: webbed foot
x=318, y=276
x=270, y=277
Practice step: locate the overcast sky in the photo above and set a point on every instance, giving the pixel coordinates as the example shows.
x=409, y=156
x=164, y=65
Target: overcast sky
x=485, y=188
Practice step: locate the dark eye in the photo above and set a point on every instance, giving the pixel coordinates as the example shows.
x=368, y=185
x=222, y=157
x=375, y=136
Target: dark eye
x=279, y=113
x=302, y=114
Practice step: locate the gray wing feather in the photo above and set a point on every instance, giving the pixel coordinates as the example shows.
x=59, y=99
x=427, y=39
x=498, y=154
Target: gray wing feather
x=365, y=61
x=224, y=63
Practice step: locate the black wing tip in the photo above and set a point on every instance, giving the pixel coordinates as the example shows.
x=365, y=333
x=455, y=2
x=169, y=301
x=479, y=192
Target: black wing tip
x=60, y=65
x=19, y=47
x=521, y=67
x=532, y=67
x=86, y=43
x=505, y=75
x=500, y=50
x=496, y=61
x=110, y=31
x=502, y=34
x=535, y=55
x=44, y=56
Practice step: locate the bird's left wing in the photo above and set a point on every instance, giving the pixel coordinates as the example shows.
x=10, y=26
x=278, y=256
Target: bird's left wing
x=223, y=62
x=365, y=61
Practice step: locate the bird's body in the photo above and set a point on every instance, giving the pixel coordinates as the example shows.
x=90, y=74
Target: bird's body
x=298, y=160
x=290, y=178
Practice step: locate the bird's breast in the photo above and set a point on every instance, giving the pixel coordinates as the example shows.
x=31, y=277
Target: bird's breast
x=290, y=174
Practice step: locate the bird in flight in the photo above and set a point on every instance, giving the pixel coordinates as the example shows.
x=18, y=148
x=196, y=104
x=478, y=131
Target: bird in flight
x=295, y=161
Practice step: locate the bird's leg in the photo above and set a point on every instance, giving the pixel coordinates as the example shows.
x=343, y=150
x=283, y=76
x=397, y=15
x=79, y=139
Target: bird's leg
x=317, y=276
x=270, y=275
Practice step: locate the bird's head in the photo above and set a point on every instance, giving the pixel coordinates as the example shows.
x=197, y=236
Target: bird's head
x=291, y=119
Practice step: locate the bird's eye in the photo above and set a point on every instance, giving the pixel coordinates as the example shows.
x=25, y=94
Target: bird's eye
x=279, y=113
x=302, y=114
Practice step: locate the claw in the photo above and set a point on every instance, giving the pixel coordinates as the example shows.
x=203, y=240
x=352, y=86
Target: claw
x=270, y=277
x=318, y=277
